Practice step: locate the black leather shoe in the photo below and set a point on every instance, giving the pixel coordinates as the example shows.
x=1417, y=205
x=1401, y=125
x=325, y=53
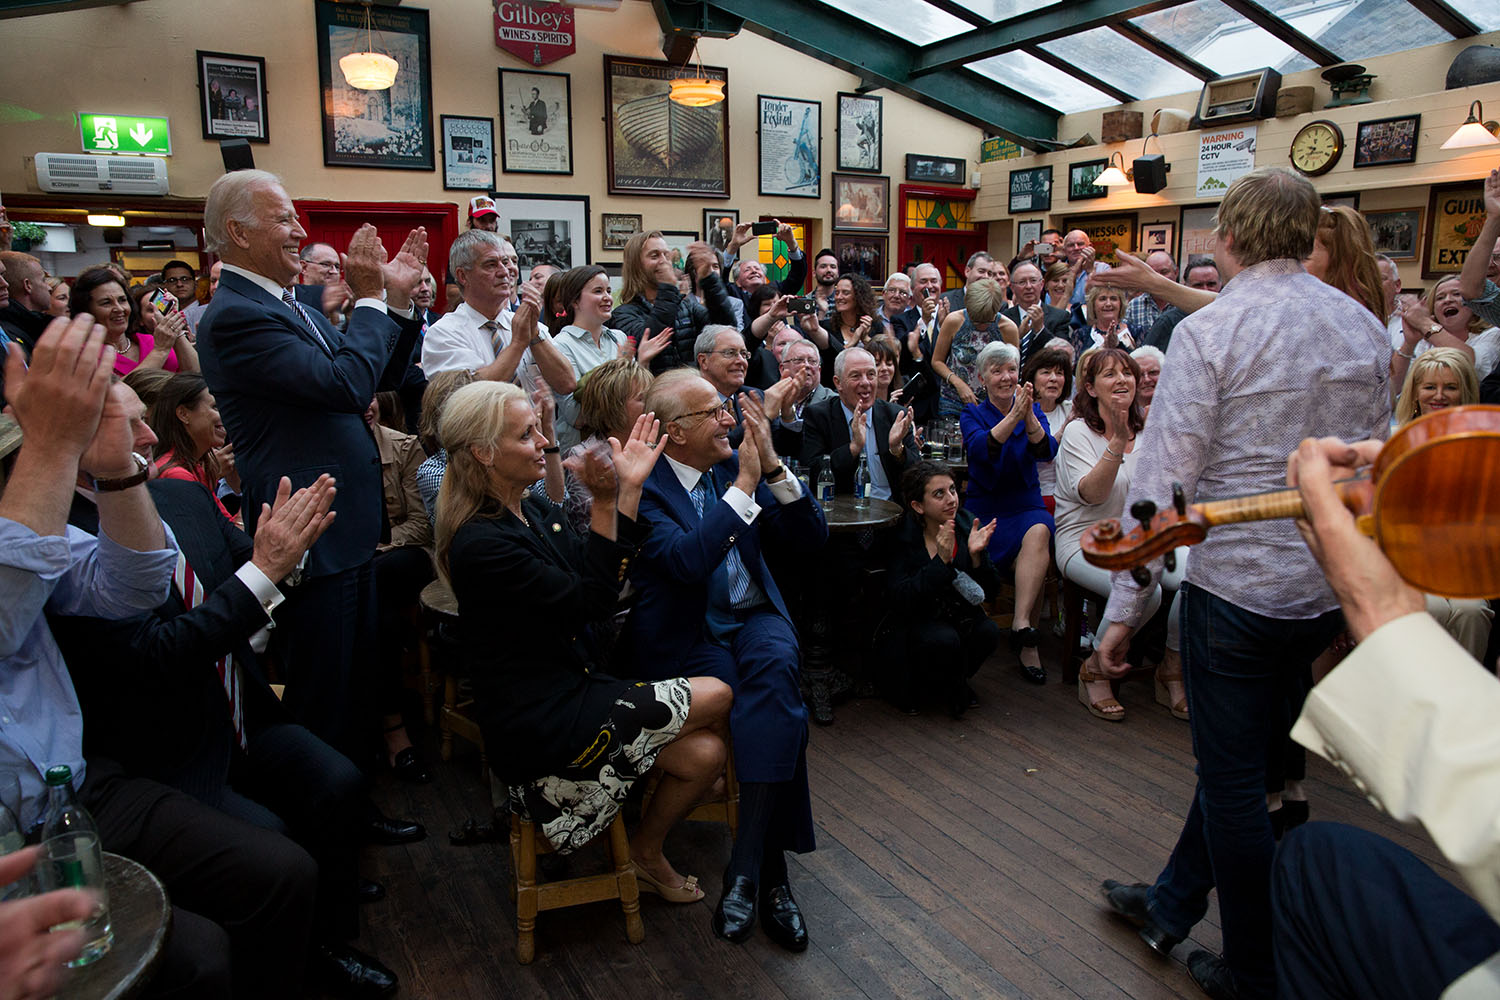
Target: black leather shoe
x=409, y=766
x=350, y=972
x=1025, y=638
x=782, y=918
x=734, y=917
x=382, y=829
x=367, y=890
x=1129, y=901
x=1212, y=975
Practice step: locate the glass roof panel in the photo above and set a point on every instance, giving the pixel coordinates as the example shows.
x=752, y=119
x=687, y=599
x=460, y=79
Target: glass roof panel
x=1028, y=75
x=1359, y=29
x=1220, y=39
x=911, y=19
x=999, y=10
x=1117, y=60
x=1485, y=13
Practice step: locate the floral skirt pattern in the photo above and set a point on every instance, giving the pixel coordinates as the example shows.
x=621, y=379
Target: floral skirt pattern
x=578, y=803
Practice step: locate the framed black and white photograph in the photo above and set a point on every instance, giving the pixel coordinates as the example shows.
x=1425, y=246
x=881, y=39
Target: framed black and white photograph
x=546, y=228
x=862, y=254
x=654, y=145
x=468, y=153
x=936, y=169
x=1081, y=177
x=617, y=229
x=789, y=146
x=390, y=128
x=860, y=126
x=536, y=122
x=677, y=241
x=1159, y=236
x=1387, y=141
x=232, y=97
x=1031, y=190
x=1397, y=233
x=718, y=227
x=861, y=204
x=1029, y=231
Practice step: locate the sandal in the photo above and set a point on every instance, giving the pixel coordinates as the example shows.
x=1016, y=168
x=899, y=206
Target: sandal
x=687, y=892
x=1179, y=707
x=1107, y=709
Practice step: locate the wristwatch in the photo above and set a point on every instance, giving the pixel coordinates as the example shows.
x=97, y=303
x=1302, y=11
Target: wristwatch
x=779, y=470
x=140, y=475
x=1435, y=328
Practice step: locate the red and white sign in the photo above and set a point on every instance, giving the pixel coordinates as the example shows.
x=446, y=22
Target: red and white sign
x=535, y=31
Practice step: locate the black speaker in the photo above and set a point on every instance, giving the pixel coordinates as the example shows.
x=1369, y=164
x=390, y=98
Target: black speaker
x=237, y=155
x=114, y=235
x=1150, y=173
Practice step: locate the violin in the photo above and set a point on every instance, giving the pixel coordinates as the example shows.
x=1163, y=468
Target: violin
x=1431, y=501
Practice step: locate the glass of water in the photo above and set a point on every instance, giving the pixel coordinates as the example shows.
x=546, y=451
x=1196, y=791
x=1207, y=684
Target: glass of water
x=75, y=861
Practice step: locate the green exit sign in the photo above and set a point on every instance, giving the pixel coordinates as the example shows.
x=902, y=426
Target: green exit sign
x=124, y=134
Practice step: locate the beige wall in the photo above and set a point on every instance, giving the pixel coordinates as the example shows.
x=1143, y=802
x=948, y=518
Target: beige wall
x=1408, y=82
x=139, y=59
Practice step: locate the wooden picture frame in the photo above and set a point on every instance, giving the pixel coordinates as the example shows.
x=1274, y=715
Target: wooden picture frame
x=545, y=228
x=923, y=169
x=864, y=254
x=861, y=203
x=1030, y=190
x=388, y=129
x=1156, y=236
x=536, y=122
x=654, y=146
x=1029, y=231
x=860, y=132
x=789, y=146
x=677, y=242
x=616, y=229
x=221, y=75
x=468, y=153
x=1081, y=177
x=1110, y=234
x=715, y=233
x=1385, y=142
x=1455, y=215
x=1397, y=232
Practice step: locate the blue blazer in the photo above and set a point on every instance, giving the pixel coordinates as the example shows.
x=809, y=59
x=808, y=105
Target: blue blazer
x=295, y=408
x=672, y=570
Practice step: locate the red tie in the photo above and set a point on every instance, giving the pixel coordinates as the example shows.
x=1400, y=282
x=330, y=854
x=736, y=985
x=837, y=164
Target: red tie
x=229, y=672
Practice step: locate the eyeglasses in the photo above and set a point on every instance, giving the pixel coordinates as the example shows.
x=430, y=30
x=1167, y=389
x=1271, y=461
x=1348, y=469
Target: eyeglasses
x=803, y=362
x=726, y=407
x=732, y=354
x=179, y=279
x=331, y=266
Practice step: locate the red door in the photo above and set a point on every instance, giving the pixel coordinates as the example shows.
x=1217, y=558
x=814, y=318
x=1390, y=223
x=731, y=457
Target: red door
x=335, y=222
x=936, y=228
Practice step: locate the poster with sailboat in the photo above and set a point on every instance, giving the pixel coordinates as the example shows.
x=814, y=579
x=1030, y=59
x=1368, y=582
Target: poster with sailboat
x=657, y=146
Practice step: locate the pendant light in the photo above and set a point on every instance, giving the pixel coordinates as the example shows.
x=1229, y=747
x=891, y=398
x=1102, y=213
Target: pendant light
x=369, y=70
x=697, y=91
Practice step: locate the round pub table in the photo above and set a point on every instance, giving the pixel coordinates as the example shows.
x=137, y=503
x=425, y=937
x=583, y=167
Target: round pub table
x=140, y=916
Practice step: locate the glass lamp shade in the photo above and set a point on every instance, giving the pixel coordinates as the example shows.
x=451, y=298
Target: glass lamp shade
x=1111, y=176
x=369, y=70
x=697, y=92
x=1470, y=133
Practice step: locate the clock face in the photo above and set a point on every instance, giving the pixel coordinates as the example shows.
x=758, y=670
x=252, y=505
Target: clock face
x=1317, y=147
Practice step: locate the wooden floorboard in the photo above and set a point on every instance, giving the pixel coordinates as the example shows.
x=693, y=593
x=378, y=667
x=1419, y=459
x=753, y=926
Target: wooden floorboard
x=955, y=859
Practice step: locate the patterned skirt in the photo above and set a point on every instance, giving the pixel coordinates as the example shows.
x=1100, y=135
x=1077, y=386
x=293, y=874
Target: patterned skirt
x=579, y=802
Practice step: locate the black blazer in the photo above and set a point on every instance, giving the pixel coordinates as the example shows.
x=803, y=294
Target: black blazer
x=921, y=586
x=1055, y=323
x=825, y=433
x=148, y=687
x=295, y=408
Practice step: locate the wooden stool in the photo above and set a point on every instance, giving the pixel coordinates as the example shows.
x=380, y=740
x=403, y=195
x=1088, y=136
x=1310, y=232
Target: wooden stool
x=1072, y=597
x=724, y=810
x=456, y=718
x=437, y=606
x=526, y=846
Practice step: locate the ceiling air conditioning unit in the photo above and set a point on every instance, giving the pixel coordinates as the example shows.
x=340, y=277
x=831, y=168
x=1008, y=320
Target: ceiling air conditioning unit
x=74, y=172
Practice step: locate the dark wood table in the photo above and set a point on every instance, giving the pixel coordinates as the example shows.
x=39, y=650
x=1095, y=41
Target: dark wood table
x=823, y=681
x=140, y=916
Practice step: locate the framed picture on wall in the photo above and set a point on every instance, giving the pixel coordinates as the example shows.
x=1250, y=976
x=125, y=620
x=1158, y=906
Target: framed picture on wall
x=232, y=97
x=1397, y=233
x=677, y=242
x=1159, y=236
x=546, y=228
x=1198, y=238
x=718, y=227
x=536, y=122
x=656, y=146
x=1455, y=215
x=860, y=127
x=1031, y=190
x=789, y=146
x=936, y=169
x=1110, y=235
x=617, y=229
x=1028, y=232
x=1081, y=177
x=468, y=153
x=861, y=203
x=1386, y=141
x=390, y=128
x=863, y=254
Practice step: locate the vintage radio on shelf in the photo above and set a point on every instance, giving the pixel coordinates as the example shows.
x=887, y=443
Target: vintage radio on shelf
x=1243, y=97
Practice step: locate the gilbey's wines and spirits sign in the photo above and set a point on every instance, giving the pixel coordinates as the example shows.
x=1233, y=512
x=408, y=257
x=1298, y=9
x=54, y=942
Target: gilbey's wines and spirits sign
x=536, y=31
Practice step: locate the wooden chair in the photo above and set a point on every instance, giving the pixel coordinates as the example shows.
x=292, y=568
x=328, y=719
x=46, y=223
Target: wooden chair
x=530, y=898
x=456, y=718
x=437, y=606
x=1072, y=597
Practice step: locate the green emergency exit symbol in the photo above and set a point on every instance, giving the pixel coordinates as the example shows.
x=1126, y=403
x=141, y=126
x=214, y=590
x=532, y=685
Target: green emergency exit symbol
x=124, y=134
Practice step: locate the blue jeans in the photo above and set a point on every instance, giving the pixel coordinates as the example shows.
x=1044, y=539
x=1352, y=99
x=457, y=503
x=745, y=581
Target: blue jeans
x=1242, y=673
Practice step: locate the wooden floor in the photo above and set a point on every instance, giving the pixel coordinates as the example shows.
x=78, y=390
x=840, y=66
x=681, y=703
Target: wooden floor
x=955, y=859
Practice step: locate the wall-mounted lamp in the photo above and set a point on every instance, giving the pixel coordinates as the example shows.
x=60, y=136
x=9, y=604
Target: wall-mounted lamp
x=1114, y=174
x=1473, y=132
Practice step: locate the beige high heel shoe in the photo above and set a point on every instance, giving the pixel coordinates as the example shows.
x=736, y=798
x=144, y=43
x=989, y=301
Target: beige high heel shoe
x=1107, y=709
x=1170, y=669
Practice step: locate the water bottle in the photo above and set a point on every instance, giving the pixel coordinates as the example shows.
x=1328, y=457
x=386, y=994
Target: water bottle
x=825, y=481
x=862, y=482
x=72, y=858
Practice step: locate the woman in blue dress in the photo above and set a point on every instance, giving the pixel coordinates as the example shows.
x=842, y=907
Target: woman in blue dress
x=1006, y=435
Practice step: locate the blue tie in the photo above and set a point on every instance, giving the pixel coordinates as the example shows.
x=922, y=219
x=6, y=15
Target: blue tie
x=739, y=580
x=291, y=300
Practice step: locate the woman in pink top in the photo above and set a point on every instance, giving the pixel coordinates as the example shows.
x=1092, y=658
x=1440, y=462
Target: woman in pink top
x=189, y=433
x=100, y=291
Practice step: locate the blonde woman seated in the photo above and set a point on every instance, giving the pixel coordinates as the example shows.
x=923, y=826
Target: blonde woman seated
x=1095, y=462
x=568, y=739
x=610, y=399
x=1440, y=378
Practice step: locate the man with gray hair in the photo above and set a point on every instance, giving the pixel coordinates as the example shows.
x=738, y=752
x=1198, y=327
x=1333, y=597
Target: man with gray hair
x=1142, y=311
x=321, y=284
x=483, y=335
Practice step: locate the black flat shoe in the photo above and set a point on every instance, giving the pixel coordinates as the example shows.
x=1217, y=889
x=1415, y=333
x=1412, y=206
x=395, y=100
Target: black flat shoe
x=1129, y=901
x=782, y=918
x=734, y=917
x=349, y=972
x=1025, y=638
x=1212, y=975
x=381, y=829
x=367, y=890
x=409, y=766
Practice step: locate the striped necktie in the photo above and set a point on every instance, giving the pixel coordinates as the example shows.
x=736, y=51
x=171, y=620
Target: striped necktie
x=496, y=335
x=296, y=307
x=743, y=590
x=191, y=589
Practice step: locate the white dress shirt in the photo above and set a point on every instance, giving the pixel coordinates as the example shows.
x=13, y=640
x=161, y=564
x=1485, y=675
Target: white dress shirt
x=457, y=342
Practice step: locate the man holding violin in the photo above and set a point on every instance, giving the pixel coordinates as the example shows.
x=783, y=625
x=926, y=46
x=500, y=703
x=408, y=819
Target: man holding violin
x=1256, y=609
